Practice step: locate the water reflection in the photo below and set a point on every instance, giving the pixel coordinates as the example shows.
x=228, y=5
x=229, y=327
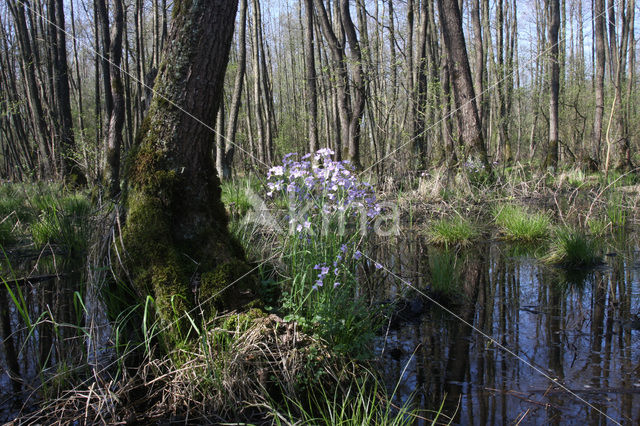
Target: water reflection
x=41, y=312
x=579, y=327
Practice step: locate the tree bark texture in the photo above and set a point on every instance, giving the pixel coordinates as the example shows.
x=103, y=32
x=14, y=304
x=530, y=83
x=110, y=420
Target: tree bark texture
x=464, y=95
x=176, y=237
x=554, y=84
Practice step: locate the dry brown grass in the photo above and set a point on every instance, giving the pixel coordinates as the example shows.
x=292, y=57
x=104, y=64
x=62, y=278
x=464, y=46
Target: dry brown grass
x=231, y=374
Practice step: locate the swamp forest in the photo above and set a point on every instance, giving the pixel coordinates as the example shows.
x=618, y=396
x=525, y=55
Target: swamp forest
x=340, y=212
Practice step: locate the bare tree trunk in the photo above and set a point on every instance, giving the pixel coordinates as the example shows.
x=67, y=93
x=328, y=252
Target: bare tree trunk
x=97, y=104
x=419, y=137
x=449, y=148
x=141, y=77
x=70, y=169
x=312, y=96
x=339, y=69
x=409, y=79
x=503, y=136
x=228, y=150
x=624, y=159
x=81, y=125
x=599, y=17
x=257, y=86
x=468, y=119
x=103, y=20
x=116, y=120
x=478, y=75
x=267, y=96
x=392, y=104
x=359, y=88
x=554, y=84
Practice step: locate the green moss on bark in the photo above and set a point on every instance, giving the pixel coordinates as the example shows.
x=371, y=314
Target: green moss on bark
x=167, y=264
x=228, y=285
x=175, y=236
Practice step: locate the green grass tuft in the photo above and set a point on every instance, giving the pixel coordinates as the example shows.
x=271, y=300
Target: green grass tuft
x=516, y=224
x=598, y=227
x=573, y=248
x=63, y=221
x=616, y=212
x=448, y=232
x=235, y=196
x=361, y=402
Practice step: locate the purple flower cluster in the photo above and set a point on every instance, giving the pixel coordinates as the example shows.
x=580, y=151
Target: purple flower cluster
x=473, y=166
x=324, y=270
x=323, y=186
x=333, y=272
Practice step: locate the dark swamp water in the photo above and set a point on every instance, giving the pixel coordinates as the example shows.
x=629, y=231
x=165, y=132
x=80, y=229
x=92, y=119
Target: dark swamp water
x=49, y=326
x=578, y=328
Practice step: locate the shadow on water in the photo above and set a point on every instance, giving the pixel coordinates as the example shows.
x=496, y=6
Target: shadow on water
x=579, y=327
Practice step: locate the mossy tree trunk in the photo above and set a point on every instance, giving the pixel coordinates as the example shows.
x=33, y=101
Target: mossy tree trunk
x=176, y=237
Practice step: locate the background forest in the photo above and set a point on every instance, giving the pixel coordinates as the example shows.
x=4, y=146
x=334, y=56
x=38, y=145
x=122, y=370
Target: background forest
x=370, y=79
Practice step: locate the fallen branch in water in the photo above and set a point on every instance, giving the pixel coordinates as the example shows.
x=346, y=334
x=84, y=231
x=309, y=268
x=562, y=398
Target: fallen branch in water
x=34, y=279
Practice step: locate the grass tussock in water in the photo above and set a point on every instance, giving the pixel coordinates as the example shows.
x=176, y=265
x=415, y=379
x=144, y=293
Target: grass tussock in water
x=573, y=248
x=63, y=221
x=453, y=231
x=516, y=224
x=616, y=211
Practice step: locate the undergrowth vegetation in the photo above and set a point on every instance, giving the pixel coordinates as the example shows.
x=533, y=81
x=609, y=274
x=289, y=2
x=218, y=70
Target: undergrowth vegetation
x=44, y=214
x=303, y=354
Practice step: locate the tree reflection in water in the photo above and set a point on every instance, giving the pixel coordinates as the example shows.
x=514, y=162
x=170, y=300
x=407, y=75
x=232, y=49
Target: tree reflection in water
x=577, y=326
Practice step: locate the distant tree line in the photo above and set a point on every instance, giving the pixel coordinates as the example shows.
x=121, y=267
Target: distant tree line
x=397, y=86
